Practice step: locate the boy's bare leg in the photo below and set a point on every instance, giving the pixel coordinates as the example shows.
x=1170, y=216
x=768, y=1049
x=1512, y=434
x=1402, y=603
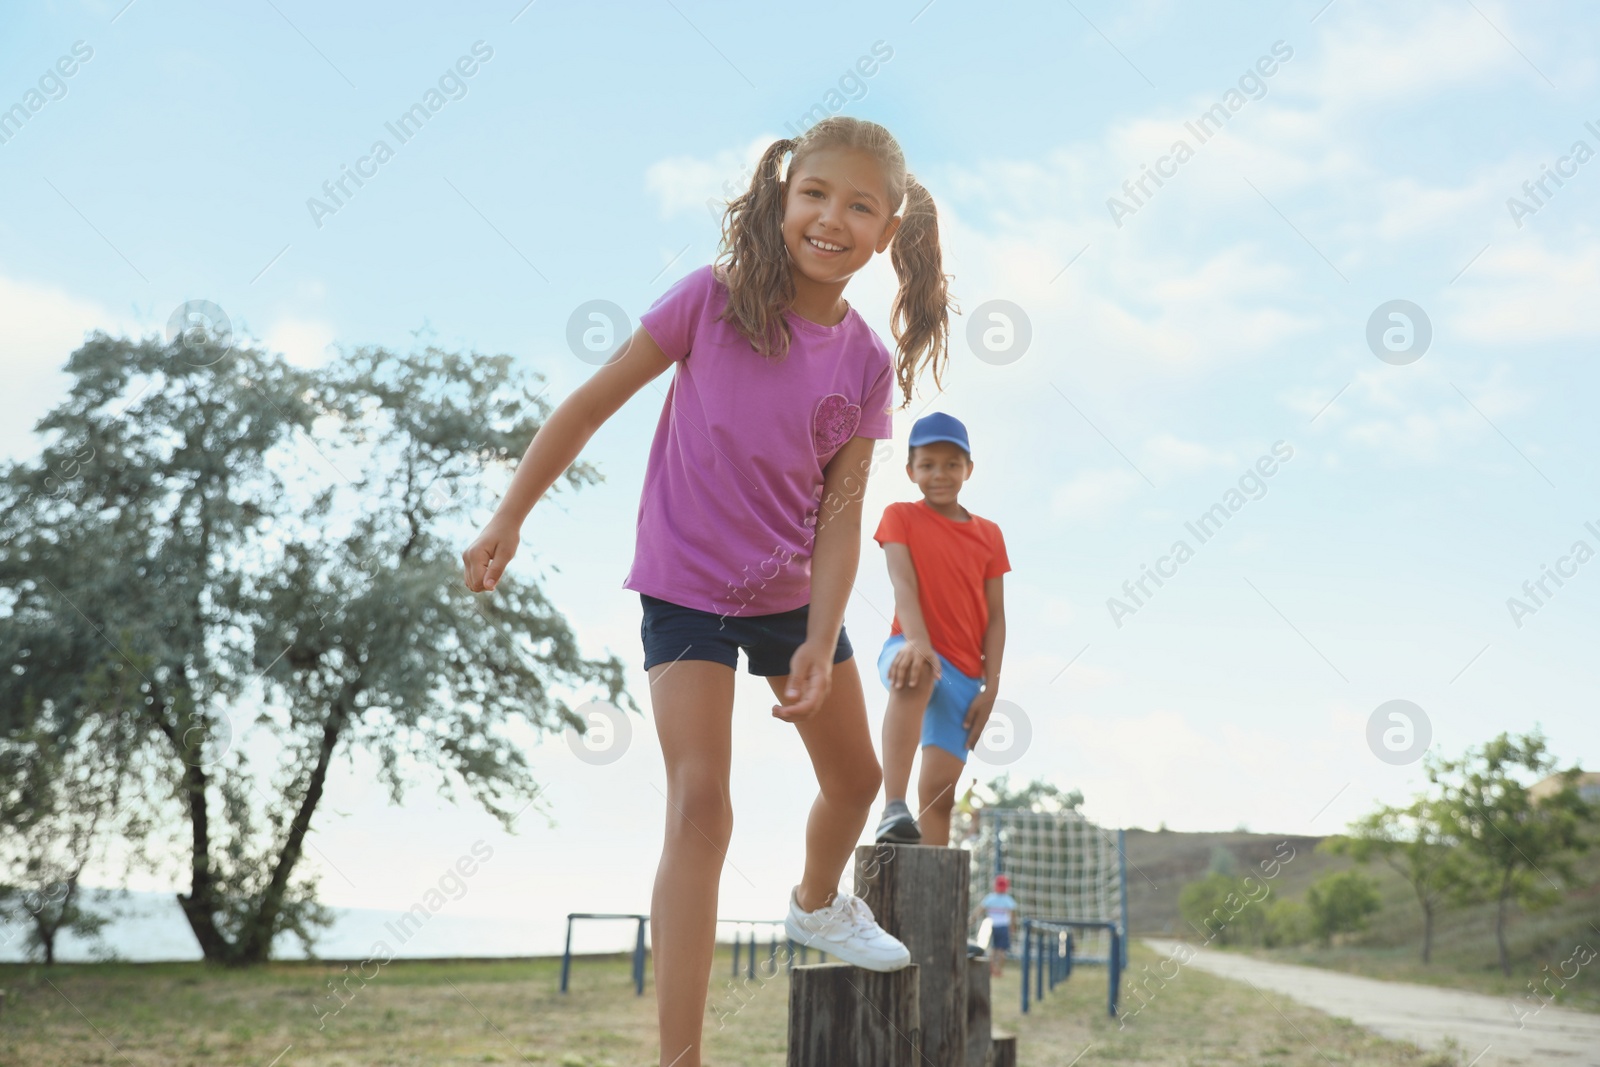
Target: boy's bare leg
x=936, y=793
x=839, y=742
x=693, y=705
x=902, y=730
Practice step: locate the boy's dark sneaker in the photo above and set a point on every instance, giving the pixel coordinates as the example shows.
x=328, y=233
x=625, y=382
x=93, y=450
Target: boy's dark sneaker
x=898, y=827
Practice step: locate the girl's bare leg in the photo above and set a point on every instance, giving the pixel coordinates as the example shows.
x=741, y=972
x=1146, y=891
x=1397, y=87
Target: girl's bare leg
x=840, y=745
x=936, y=792
x=692, y=701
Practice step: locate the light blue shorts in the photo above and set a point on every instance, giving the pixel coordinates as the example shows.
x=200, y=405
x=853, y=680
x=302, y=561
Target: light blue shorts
x=952, y=695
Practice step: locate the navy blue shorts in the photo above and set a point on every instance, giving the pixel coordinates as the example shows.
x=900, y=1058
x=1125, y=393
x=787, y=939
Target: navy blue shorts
x=1000, y=938
x=672, y=632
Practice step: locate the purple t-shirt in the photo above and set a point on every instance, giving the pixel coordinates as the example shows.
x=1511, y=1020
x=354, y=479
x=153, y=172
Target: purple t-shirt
x=728, y=514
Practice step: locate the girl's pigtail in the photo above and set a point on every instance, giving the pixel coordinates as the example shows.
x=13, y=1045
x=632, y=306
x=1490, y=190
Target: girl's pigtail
x=753, y=263
x=920, y=317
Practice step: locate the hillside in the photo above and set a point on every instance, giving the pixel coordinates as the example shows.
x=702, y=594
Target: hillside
x=1161, y=863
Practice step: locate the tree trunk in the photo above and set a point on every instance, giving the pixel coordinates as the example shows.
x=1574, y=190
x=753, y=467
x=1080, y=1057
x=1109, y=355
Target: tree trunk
x=1500, y=930
x=49, y=928
x=1427, y=932
x=255, y=941
x=200, y=903
x=47, y=936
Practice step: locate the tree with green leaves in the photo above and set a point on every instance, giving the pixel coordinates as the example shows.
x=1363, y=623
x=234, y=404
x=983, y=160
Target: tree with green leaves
x=63, y=809
x=1224, y=908
x=1040, y=794
x=1288, y=923
x=1414, y=841
x=1524, y=847
x=1339, y=903
x=217, y=527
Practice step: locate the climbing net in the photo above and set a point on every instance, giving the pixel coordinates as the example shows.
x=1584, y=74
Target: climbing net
x=1061, y=866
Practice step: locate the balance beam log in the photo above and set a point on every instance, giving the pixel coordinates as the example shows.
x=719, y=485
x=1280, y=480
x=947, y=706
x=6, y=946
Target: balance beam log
x=843, y=1016
x=978, y=1017
x=918, y=893
x=1004, y=1051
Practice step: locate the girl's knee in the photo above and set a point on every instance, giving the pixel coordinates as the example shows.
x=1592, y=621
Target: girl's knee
x=857, y=789
x=701, y=812
x=871, y=782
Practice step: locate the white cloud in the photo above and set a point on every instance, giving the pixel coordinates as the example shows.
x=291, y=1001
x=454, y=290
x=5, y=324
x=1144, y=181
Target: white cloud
x=1523, y=291
x=1405, y=54
x=39, y=328
x=686, y=184
x=1420, y=416
x=303, y=342
x=1094, y=494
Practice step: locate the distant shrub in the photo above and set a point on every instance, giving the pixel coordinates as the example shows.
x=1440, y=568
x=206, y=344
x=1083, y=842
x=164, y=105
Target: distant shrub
x=1288, y=924
x=1340, y=903
x=1225, y=909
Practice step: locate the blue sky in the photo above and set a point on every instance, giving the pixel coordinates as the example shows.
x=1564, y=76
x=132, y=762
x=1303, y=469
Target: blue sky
x=1227, y=313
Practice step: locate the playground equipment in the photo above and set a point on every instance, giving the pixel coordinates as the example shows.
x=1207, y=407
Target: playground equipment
x=1069, y=876
x=745, y=945
x=638, y=946
x=774, y=928
x=1048, y=949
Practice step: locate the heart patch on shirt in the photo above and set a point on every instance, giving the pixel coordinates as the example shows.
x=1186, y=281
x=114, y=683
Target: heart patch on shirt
x=834, y=423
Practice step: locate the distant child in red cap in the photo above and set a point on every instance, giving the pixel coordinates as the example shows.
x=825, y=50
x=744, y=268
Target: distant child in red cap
x=1002, y=909
x=941, y=663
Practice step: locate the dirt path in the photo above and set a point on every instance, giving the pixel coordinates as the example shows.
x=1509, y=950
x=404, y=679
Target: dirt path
x=1484, y=1026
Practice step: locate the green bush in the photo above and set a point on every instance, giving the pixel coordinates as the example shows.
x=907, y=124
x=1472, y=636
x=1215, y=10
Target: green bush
x=1288, y=924
x=1225, y=909
x=1340, y=903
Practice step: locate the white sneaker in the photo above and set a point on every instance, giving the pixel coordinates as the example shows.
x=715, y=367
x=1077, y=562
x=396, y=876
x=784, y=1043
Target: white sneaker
x=846, y=929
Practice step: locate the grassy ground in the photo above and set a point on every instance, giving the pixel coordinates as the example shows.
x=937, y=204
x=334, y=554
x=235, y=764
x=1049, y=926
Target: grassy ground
x=510, y=1012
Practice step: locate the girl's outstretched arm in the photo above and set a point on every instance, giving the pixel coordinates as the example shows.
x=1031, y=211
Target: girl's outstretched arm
x=835, y=555
x=553, y=449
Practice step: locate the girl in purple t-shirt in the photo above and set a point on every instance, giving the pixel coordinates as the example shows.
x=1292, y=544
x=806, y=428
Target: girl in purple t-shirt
x=750, y=518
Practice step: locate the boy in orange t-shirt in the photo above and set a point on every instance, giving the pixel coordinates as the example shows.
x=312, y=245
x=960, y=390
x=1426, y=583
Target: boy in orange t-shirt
x=941, y=663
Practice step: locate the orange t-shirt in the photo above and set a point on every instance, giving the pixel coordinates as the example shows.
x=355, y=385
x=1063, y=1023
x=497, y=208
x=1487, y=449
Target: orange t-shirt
x=953, y=560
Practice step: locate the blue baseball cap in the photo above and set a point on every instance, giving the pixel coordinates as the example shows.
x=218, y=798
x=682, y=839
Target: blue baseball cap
x=940, y=427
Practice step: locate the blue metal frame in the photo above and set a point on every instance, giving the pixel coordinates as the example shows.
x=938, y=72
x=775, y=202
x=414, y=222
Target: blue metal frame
x=773, y=925
x=1048, y=947
x=638, y=946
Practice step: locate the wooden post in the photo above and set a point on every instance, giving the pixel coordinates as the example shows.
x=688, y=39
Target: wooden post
x=1004, y=1053
x=918, y=893
x=843, y=1016
x=978, y=1011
